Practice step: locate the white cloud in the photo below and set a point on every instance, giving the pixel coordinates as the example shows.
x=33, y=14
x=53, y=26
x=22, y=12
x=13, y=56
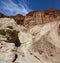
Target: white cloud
x=12, y=8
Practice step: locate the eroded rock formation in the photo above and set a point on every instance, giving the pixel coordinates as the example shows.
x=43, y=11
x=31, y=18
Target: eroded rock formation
x=42, y=46
x=8, y=37
x=35, y=40
x=40, y=17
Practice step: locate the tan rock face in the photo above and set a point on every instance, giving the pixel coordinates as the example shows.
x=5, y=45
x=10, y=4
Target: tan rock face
x=46, y=45
x=40, y=17
x=40, y=44
x=37, y=40
x=7, y=52
x=8, y=39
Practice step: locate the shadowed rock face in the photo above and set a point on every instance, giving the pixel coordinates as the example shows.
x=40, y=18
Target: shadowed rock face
x=8, y=30
x=1, y=15
x=18, y=18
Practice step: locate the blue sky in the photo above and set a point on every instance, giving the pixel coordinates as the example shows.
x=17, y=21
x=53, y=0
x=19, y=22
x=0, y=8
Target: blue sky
x=13, y=7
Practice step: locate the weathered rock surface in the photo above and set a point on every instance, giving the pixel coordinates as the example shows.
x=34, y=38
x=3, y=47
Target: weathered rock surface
x=42, y=46
x=7, y=52
x=35, y=17
x=8, y=29
x=37, y=40
x=8, y=39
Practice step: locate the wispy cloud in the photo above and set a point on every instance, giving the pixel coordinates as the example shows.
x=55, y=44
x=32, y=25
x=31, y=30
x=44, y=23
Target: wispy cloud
x=9, y=7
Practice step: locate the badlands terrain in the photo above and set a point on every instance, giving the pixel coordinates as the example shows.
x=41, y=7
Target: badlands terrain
x=34, y=38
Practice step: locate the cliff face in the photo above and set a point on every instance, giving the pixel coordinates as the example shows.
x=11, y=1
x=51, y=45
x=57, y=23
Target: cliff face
x=40, y=17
